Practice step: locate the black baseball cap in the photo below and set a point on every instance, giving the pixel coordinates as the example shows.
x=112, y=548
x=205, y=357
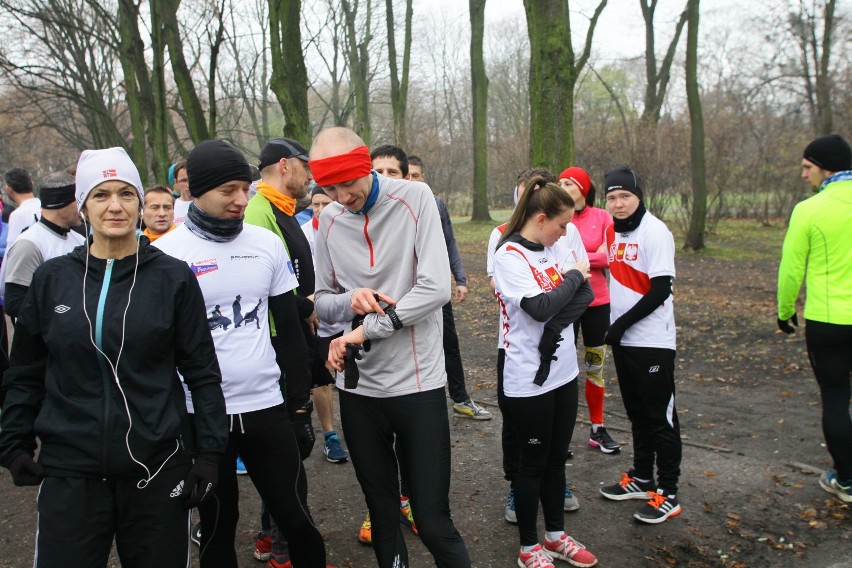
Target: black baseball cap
x=278, y=148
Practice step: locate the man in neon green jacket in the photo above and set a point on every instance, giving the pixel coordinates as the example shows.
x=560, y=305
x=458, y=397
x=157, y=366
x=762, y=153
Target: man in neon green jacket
x=817, y=247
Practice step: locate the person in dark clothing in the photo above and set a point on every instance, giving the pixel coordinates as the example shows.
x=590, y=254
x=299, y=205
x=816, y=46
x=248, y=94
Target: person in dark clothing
x=93, y=376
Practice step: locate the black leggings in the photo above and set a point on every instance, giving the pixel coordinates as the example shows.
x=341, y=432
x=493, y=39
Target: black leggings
x=543, y=426
x=830, y=352
x=595, y=322
x=419, y=421
x=265, y=441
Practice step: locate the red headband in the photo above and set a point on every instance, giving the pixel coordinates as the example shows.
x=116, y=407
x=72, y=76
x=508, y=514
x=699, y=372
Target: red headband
x=580, y=178
x=345, y=167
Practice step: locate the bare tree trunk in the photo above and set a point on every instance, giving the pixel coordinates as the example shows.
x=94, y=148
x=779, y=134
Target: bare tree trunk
x=698, y=217
x=553, y=77
x=479, y=86
x=289, y=79
x=128, y=12
x=825, y=116
x=158, y=125
x=657, y=80
x=359, y=66
x=399, y=87
x=196, y=122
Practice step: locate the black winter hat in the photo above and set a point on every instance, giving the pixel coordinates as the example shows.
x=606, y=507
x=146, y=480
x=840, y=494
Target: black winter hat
x=213, y=163
x=622, y=177
x=832, y=153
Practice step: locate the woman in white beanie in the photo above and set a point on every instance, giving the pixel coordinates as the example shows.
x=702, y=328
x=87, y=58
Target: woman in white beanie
x=92, y=376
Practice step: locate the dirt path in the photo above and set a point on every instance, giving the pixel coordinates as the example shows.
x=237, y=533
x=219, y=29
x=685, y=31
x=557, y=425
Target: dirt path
x=749, y=412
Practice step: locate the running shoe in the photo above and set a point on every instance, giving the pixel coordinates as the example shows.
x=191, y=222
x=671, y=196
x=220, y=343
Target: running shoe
x=263, y=547
x=470, y=409
x=658, y=508
x=569, y=550
x=509, y=513
x=365, y=534
x=333, y=451
x=405, y=516
x=195, y=534
x=535, y=558
x=603, y=441
x=282, y=563
x=828, y=481
x=241, y=467
x=571, y=503
x=628, y=488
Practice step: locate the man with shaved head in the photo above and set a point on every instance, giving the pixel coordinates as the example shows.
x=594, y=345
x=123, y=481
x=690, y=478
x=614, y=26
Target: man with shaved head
x=381, y=264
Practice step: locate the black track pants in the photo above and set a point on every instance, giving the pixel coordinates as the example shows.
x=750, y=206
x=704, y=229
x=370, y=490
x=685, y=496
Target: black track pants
x=646, y=380
x=78, y=517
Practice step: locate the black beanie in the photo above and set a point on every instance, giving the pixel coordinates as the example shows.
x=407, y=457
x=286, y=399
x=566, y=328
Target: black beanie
x=213, y=163
x=623, y=178
x=832, y=153
x=57, y=190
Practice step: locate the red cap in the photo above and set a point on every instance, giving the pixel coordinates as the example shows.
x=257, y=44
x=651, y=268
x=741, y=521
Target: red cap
x=580, y=178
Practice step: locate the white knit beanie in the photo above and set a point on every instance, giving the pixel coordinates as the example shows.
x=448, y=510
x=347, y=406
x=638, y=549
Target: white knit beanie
x=97, y=166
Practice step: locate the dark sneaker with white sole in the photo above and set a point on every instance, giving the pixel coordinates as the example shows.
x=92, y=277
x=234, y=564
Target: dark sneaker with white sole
x=628, y=488
x=658, y=508
x=603, y=441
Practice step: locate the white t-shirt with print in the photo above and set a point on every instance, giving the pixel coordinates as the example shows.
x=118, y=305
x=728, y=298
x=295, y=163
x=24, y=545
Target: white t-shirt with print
x=237, y=278
x=522, y=273
x=569, y=250
x=635, y=258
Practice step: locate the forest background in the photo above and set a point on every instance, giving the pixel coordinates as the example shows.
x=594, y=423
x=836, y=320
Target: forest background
x=711, y=101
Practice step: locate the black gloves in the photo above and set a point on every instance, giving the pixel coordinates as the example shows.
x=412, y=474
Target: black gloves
x=25, y=471
x=304, y=431
x=784, y=325
x=201, y=479
x=547, y=347
x=351, y=375
x=614, y=334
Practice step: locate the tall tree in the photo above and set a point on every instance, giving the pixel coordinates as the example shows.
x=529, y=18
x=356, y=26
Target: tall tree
x=554, y=69
x=698, y=215
x=479, y=85
x=815, y=49
x=359, y=64
x=289, y=80
x=194, y=116
x=330, y=43
x=657, y=79
x=399, y=85
x=135, y=80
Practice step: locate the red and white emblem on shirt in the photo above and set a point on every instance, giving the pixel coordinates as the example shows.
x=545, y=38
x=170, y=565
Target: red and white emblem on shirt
x=627, y=251
x=110, y=174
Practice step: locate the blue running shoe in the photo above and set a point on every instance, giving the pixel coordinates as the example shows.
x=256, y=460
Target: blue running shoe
x=509, y=514
x=241, y=467
x=830, y=483
x=333, y=451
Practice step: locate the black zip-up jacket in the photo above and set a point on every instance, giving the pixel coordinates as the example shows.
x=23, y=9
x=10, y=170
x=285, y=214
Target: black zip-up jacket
x=61, y=390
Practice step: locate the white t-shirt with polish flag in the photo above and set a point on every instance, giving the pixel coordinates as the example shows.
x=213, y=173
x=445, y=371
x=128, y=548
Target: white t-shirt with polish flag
x=635, y=258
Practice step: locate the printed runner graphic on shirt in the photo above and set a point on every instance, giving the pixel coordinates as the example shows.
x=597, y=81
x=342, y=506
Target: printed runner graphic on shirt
x=217, y=320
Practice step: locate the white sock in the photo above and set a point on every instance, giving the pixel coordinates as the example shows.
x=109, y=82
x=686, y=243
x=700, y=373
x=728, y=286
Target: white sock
x=554, y=536
x=526, y=549
x=595, y=427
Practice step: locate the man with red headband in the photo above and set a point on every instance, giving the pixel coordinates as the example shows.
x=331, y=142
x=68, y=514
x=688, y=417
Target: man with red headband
x=381, y=264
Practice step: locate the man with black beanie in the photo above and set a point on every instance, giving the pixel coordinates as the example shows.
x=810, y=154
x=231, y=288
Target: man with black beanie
x=234, y=260
x=816, y=247
x=49, y=238
x=642, y=335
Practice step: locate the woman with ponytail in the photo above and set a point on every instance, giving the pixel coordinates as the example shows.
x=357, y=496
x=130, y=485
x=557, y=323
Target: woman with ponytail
x=541, y=287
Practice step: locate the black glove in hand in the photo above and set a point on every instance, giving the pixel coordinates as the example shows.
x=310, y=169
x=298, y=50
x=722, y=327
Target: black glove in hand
x=350, y=367
x=201, y=479
x=784, y=325
x=547, y=346
x=304, y=431
x=25, y=471
x=614, y=334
